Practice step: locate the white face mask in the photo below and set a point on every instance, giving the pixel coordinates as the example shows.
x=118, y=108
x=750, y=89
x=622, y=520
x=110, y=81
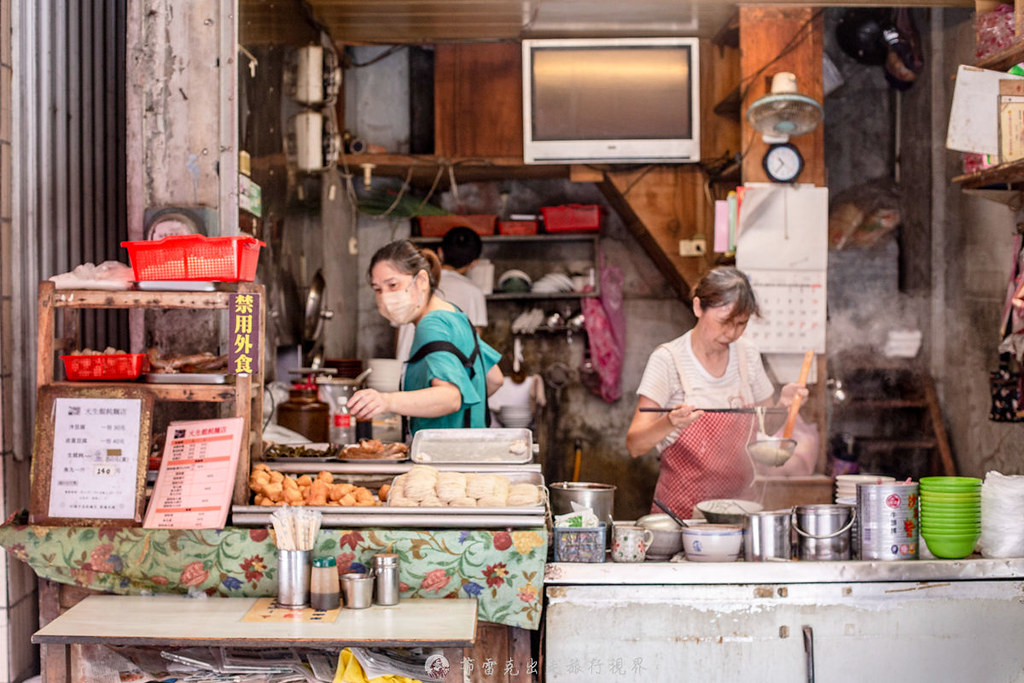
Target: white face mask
x=401, y=306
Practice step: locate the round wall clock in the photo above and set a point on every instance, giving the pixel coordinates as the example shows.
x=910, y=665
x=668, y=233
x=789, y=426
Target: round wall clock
x=783, y=163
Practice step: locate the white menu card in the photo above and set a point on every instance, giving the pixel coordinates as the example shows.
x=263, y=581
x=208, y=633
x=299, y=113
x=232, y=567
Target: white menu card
x=95, y=458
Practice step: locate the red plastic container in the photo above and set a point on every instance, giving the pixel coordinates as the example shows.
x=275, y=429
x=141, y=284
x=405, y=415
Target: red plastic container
x=194, y=257
x=105, y=366
x=517, y=227
x=572, y=218
x=437, y=226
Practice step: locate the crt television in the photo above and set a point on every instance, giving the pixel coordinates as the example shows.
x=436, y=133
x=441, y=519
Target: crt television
x=614, y=100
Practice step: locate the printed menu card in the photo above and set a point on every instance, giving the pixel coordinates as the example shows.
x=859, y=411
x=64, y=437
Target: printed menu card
x=197, y=474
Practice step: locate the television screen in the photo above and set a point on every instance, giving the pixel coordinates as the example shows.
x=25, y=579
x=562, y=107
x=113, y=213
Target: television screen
x=611, y=100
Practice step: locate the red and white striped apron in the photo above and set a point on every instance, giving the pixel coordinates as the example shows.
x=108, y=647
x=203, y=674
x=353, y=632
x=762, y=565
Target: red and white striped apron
x=708, y=460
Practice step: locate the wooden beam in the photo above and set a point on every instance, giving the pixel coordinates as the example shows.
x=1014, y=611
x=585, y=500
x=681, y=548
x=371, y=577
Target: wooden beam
x=662, y=205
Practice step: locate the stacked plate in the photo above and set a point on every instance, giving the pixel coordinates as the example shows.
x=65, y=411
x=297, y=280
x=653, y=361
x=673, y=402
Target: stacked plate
x=552, y=283
x=514, y=280
x=1002, y=512
x=951, y=515
x=517, y=416
x=385, y=375
x=846, y=485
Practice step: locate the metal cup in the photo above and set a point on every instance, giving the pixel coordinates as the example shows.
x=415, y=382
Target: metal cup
x=293, y=570
x=357, y=590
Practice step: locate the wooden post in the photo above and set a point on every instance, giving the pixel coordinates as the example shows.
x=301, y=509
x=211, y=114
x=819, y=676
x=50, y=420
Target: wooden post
x=775, y=39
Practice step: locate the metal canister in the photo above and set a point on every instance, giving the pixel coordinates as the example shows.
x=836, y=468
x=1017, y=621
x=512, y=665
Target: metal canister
x=888, y=521
x=385, y=566
x=767, y=536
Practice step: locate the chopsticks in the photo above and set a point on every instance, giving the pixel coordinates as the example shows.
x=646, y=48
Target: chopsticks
x=713, y=410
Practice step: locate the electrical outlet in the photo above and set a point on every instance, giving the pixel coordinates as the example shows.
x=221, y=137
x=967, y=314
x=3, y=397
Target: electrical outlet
x=697, y=246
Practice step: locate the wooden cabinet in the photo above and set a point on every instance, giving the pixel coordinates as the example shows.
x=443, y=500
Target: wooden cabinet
x=478, y=100
x=241, y=395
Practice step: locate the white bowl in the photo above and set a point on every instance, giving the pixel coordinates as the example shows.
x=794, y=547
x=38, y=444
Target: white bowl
x=713, y=542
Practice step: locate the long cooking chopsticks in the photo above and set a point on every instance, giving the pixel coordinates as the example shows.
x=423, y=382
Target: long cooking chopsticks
x=714, y=410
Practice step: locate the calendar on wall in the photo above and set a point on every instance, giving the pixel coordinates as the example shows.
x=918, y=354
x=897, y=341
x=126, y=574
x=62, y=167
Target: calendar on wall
x=782, y=246
x=792, y=311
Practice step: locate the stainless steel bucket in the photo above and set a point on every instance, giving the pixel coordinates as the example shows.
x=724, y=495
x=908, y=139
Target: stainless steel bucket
x=768, y=536
x=824, y=531
x=887, y=521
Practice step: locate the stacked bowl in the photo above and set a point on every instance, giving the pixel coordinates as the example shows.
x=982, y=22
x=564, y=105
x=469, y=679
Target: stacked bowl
x=846, y=485
x=950, y=515
x=517, y=416
x=385, y=375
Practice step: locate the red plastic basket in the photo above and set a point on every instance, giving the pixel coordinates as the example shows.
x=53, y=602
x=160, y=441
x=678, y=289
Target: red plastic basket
x=105, y=366
x=572, y=218
x=194, y=257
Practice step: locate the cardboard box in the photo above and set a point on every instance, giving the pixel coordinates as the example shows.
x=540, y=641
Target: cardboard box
x=1011, y=120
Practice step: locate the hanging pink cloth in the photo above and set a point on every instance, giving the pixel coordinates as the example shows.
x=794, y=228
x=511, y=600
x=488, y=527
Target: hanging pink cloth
x=606, y=332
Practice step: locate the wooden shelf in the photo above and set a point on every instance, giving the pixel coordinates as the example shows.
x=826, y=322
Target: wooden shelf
x=509, y=239
x=883, y=404
x=168, y=392
x=1004, y=59
x=1009, y=173
x=424, y=168
x=243, y=393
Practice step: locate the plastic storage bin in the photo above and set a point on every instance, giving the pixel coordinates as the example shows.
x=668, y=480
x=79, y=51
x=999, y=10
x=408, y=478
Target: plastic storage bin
x=105, y=366
x=437, y=226
x=195, y=257
x=517, y=227
x=580, y=544
x=572, y=218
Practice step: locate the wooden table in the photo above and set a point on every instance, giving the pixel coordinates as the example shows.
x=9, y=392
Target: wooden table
x=174, y=621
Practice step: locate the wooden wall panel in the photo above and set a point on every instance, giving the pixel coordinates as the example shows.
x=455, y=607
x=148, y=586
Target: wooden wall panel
x=478, y=100
x=774, y=39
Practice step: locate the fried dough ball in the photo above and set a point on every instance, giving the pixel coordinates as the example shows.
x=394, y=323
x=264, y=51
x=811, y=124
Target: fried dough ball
x=382, y=493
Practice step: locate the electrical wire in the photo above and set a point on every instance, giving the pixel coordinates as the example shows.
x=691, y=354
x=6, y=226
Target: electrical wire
x=797, y=38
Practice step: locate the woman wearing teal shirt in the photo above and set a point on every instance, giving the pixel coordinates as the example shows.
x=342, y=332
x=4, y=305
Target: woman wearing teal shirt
x=451, y=370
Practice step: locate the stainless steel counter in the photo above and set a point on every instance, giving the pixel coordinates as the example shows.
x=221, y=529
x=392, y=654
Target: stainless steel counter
x=781, y=572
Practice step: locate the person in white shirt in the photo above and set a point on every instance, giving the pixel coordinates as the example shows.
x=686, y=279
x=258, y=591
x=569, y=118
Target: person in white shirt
x=460, y=248
x=703, y=453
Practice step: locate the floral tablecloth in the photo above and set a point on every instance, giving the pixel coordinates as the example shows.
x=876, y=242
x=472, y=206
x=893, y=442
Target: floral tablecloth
x=503, y=570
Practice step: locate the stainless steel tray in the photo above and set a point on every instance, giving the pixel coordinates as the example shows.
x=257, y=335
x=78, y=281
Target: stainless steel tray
x=472, y=446
x=184, y=378
x=254, y=516
x=176, y=286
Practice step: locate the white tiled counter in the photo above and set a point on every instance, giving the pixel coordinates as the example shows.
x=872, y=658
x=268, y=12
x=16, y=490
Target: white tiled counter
x=924, y=620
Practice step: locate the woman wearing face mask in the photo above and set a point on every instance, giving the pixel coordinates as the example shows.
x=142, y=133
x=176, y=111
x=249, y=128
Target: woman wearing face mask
x=450, y=371
x=703, y=454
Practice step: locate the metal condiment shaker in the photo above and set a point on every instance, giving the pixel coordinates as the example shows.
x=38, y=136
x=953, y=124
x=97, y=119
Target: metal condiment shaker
x=385, y=566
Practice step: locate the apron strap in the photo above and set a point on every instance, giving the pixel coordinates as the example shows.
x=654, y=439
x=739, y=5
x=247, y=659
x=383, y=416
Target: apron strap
x=742, y=351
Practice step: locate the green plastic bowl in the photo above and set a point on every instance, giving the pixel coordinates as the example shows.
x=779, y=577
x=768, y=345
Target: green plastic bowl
x=949, y=528
x=950, y=484
x=950, y=546
x=958, y=509
x=943, y=497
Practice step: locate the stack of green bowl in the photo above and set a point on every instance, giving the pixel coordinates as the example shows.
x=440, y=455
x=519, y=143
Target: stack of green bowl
x=950, y=515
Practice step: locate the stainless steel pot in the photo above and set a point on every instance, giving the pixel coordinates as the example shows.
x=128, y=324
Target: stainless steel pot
x=768, y=536
x=598, y=497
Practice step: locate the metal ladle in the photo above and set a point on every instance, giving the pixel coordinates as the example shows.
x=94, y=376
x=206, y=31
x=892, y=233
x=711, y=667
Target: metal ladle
x=671, y=514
